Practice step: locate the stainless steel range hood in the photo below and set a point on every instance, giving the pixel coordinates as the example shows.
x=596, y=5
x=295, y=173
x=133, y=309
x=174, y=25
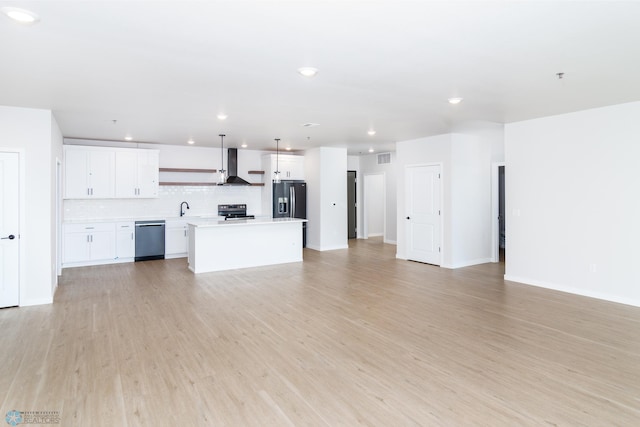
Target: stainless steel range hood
x=232, y=167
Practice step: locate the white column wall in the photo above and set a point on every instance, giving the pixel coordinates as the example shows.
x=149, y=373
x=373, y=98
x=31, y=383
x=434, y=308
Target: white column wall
x=325, y=173
x=572, y=205
x=313, y=178
x=56, y=154
x=472, y=156
x=31, y=131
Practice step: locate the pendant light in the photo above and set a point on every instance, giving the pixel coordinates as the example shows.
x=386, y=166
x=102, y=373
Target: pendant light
x=223, y=173
x=276, y=174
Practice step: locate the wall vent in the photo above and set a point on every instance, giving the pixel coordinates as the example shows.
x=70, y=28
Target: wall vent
x=384, y=158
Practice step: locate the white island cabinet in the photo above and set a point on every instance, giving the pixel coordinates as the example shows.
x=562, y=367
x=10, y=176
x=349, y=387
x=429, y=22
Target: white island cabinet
x=226, y=245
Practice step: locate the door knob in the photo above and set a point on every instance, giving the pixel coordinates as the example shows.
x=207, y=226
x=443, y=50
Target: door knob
x=10, y=237
x=408, y=217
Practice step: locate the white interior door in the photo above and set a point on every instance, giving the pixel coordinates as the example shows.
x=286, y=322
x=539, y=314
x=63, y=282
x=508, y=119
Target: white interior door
x=9, y=232
x=423, y=213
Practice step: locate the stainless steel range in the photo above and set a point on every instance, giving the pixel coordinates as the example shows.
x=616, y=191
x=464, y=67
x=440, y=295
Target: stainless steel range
x=230, y=212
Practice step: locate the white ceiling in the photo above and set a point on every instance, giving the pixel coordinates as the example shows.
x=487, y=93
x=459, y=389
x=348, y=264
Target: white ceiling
x=165, y=69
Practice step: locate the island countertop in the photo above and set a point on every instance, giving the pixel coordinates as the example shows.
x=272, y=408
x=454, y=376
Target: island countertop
x=215, y=222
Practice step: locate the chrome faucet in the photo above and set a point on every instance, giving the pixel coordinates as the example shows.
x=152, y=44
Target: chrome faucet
x=181, y=208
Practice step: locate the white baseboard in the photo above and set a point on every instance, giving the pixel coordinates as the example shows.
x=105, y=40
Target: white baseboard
x=391, y=242
x=469, y=263
x=41, y=301
x=327, y=248
x=572, y=290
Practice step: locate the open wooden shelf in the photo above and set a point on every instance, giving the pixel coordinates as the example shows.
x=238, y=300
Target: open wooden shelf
x=188, y=170
x=254, y=184
x=187, y=183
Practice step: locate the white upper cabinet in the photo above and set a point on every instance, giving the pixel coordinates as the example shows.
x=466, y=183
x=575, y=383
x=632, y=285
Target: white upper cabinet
x=290, y=166
x=103, y=172
x=89, y=173
x=136, y=173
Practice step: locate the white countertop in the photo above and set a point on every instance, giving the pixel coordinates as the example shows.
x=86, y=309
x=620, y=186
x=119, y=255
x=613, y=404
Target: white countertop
x=214, y=222
x=145, y=218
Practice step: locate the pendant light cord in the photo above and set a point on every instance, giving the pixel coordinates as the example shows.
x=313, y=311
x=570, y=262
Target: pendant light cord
x=222, y=171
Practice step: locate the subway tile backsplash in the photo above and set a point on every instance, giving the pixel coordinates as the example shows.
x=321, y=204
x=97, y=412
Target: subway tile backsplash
x=203, y=200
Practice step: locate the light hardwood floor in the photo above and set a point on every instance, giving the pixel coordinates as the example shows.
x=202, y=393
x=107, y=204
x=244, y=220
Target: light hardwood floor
x=349, y=337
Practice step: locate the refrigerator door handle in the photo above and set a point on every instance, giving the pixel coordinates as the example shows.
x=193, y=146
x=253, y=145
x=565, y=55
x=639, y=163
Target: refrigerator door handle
x=292, y=197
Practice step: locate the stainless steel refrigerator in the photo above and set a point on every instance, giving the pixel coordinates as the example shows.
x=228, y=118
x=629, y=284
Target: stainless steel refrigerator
x=290, y=201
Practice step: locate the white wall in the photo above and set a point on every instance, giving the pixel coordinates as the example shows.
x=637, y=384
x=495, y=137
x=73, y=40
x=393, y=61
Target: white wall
x=31, y=130
x=313, y=177
x=325, y=173
x=422, y=151
x=56, y=155
x=369, y=165
x=573, y=211
x=374, y=206
x=466, y=158
x=473, y=153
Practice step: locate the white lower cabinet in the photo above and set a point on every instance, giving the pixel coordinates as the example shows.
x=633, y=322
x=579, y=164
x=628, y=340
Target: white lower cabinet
x=176, y=239
x=125, y=240
x=89, y=243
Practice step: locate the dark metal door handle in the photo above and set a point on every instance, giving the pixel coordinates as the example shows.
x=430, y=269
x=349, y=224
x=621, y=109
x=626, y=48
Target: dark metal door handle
x=408, y=217
x=10, y=237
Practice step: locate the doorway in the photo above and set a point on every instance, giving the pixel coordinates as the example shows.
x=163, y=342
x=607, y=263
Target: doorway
x=498, y=222
x=9, y=229
x=352, y=223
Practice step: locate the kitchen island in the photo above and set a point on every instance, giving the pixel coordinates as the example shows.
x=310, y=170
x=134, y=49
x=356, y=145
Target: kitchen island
x=216, y=245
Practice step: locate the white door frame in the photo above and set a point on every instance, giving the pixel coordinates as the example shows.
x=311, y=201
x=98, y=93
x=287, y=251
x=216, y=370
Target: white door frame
x=442, y=206
x=21, y=219
x=58, y=204
x=495, y=210
x=365, y=215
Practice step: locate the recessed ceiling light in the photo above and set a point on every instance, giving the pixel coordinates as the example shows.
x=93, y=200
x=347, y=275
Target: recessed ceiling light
x=288, y=148
x=244, y=145
x=308, y=71
x=372, y=132
x=22, y=16
x=455, y=100
x=310, y=125
x=222, y=116
x=371, y=150
x=128, y=138
x=191, y=142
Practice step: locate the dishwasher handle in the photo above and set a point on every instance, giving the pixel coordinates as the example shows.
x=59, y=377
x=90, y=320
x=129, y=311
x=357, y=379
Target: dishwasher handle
x=156, y=224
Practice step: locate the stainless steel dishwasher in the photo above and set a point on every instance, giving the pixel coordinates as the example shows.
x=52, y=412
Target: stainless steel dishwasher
x=149, y=240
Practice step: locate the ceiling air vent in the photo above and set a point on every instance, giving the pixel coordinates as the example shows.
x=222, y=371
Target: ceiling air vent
x=384, y=158
x=310, y=125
